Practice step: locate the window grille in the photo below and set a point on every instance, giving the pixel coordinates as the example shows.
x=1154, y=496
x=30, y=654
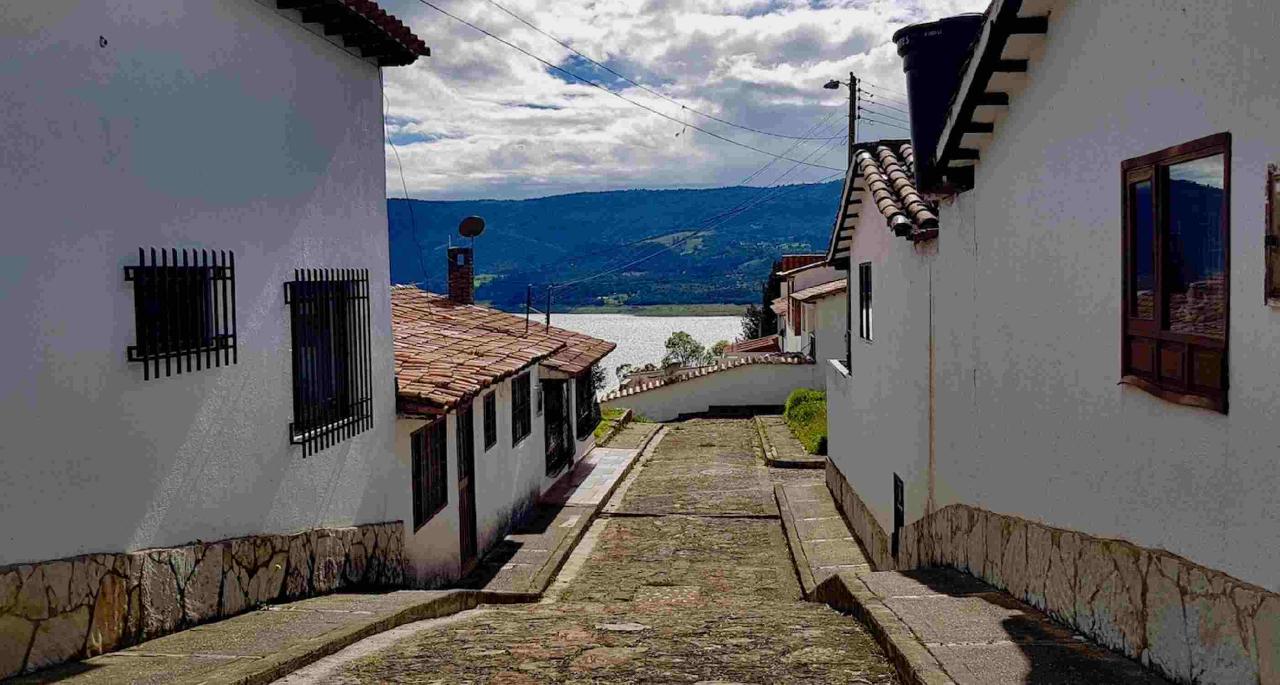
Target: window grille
x=184, y=307
x=332, y=384
x=521, y=419
x=585, y=406
x=490, y=420
x=429, y=445
x=864, y=301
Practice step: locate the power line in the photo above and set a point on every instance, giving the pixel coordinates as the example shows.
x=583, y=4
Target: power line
x=884, y=115
x=413, y=222
x=882, y=104
x=880, y=87
x=884, y=123
x=624, y=98
x=639, y=85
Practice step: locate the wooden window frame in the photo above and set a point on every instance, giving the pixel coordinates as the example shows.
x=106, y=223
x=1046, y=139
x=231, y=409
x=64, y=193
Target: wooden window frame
x=521, y=408
x=1168, y=352
x=430, y=456
x=864, y=301
x=490, y=420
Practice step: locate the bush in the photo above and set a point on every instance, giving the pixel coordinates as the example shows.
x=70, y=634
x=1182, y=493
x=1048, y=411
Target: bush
x=806, y=416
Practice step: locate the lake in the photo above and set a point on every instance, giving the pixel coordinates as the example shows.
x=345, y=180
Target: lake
x=640, y=338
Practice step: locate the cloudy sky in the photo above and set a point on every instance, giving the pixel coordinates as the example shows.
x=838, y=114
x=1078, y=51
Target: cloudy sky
x=478, y=119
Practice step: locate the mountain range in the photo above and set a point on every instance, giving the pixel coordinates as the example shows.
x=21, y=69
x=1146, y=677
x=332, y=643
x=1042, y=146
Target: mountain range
x=634, y=247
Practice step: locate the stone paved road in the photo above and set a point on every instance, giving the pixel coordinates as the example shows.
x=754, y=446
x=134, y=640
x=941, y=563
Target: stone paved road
x=688, y=580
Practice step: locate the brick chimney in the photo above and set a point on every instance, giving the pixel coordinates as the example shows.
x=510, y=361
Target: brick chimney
x=461, y=275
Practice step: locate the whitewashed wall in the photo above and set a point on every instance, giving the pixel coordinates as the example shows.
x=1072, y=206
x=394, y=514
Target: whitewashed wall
x=220, y=125
x=749, y=384
x=877, y=414
x=1026, y=295
x=829, y=327
x=508, y=479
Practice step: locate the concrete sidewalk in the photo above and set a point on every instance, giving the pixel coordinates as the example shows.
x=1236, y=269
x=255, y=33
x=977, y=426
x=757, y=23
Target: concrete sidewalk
x=938, y=625
x=781, y=448
x=261, y=646
x=529, y=557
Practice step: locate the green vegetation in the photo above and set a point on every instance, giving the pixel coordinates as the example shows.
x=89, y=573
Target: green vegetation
x=614, y=305
x=608, y=417
x=806, y=416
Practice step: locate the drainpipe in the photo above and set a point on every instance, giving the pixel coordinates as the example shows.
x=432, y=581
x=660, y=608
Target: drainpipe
x=930, y=503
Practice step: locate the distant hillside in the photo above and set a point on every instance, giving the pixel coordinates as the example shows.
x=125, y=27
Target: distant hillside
x=566, y=237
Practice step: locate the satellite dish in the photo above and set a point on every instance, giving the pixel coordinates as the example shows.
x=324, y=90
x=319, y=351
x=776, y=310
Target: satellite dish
x=471, y=227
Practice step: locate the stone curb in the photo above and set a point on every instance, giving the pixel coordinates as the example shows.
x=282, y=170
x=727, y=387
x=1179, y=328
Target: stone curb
x=914, y=663
x=617, y=427
x=290, y=659
x=623, y=482
x=804, y=572
x=545, y=575
x=771, y=453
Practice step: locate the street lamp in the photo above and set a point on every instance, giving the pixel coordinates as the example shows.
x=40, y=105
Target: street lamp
x=852, y=85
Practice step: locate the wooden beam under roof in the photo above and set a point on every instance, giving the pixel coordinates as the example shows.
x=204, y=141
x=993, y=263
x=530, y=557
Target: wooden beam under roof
x=1028, y=25
x=1014, y=66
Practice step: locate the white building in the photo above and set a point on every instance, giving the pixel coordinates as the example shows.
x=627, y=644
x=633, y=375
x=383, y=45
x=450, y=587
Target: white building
x=493, y=410
x=176, y=366
x=1040, y=400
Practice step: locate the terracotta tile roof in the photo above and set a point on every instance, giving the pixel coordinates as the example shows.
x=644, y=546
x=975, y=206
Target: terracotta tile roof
x=447, y=352
x=796, y=359
x=768, y=343
x=885, y=170
x=364, y=27
x=820, y=291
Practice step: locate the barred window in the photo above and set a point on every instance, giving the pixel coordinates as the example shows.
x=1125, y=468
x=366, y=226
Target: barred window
x=585, y=406
x=429, y=445
x=864, y=301
x=521, y=418
x=332, y=384
x=184, y=305
x=490, y=420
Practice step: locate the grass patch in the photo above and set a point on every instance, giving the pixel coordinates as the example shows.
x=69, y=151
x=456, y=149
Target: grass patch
x=608, y=417
x=806, y=416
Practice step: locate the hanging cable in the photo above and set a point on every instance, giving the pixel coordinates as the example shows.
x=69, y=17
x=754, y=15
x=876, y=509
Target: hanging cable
x=413, y=222
x=883, y=115
x=639, y=85
x=624, y=98
x=882, y=104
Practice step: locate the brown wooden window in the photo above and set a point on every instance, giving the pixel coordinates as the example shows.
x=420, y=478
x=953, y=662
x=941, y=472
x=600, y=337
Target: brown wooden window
x=1176, y=272
x=521, y=416
x=430, y=492
x=1273, y=235
x=490, y=420
x=864, y=301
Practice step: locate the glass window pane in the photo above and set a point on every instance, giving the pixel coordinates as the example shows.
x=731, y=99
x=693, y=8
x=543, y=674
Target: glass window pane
x=1142, y=303
x=1194, y=260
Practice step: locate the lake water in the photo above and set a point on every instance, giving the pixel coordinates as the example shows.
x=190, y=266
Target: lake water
x=640, y=338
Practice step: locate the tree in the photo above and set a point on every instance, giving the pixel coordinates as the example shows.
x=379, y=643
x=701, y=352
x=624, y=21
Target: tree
x=598, y=379
x=717, y=350
x=622, y=372
x=682, y=349
x=752, y=322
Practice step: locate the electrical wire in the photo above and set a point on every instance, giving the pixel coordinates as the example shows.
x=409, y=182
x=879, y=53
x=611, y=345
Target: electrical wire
x=883, y=115
x=413, y=222
x=881, y=104
x=624, y=98
x=884, y=123
x=880, y=87
x=639, y=85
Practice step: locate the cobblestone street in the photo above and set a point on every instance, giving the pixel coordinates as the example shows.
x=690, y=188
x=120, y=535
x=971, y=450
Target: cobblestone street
x=687, y=578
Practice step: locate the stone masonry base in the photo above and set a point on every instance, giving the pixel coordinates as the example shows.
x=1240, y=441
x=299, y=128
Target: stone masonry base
x=56, y=611
x=1187, y=622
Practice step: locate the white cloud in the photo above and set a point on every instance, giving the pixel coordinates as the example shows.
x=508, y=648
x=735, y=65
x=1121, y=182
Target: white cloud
x=479, y=119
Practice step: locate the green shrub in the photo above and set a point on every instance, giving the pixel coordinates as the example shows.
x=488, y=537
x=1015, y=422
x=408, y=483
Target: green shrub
x=806, y=416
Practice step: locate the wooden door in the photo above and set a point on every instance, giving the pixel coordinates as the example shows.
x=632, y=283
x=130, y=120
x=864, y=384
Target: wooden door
x=467, y=489
x=558, y=430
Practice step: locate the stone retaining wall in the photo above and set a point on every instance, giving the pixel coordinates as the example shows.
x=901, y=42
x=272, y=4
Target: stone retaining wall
x=56, y=611
x=1189, y=623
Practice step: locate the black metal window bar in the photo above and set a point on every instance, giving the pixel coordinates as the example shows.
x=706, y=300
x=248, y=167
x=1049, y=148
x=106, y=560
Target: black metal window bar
x=429, y=446
x=521, y=413
x=490, y=420
x=184, y=305
x=585, y=406
x=332, y=382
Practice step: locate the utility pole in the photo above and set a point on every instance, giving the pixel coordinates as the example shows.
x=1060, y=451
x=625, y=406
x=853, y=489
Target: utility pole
x=528, y=304
x=853, y=115
x=549, y=289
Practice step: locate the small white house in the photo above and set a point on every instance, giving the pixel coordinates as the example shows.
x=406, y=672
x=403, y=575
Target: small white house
x=197, y=369
x=492, y=409
x=1068, y=380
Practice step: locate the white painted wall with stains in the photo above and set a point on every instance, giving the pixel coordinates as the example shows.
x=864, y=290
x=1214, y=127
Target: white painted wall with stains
x=1026, y=285
x=218, y=125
